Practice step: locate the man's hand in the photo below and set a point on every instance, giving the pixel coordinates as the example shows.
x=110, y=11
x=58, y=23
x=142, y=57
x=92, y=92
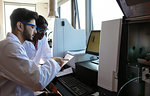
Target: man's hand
x=60, y=60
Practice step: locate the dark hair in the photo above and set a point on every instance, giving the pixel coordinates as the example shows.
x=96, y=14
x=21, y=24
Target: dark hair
x=22, y=15
x=41, y=21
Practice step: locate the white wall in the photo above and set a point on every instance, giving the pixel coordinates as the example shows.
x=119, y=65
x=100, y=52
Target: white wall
x=2, y=34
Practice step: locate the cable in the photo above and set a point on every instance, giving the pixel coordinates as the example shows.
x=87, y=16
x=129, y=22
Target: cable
x=47, y=90
x=126, y=84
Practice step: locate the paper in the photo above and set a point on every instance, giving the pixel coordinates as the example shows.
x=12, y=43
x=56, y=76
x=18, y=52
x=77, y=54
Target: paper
x=38, y=93
x=68, y=56
x=65, y=72
x=96, y=94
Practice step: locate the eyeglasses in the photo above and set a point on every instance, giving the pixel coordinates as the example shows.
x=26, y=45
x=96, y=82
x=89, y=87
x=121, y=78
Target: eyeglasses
x=32, y=25
x=40, y=30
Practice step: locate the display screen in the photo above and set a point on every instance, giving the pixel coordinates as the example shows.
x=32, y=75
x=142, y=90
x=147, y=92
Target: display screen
x=93, y=43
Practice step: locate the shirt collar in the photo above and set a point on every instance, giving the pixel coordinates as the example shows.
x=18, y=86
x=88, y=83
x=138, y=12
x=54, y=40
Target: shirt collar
x=11, y=35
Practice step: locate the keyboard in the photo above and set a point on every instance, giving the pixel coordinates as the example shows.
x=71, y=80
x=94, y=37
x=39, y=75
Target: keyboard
x=75, y=86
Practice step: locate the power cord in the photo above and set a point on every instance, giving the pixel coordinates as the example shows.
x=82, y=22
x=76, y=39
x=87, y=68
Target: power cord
x=126, y=84
x=47, y=90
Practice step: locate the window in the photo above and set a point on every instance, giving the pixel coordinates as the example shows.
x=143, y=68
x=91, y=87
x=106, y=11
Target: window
x=81, y=6
x=103, y=10
x=9, y=7
x=65, y=11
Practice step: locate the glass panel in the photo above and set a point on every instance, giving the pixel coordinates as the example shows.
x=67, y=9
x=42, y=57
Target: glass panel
x=81, y=7
x=65, y=11
x=103, y=10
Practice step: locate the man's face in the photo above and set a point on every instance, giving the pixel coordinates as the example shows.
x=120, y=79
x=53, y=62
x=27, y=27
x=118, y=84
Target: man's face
x=41, y=31
x=29, y=31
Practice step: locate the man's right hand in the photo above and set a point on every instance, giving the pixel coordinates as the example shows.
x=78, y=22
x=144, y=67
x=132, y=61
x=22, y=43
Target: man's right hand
x=60, y=60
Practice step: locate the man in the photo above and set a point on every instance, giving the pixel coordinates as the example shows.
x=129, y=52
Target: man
x=39, y=49
x=20, y=76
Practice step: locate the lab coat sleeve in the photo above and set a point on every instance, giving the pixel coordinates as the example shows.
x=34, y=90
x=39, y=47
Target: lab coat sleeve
x=18, y=68
x=46, y=50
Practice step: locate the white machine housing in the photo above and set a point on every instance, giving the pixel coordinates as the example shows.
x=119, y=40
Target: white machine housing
x=66, y=38
x=109, y=54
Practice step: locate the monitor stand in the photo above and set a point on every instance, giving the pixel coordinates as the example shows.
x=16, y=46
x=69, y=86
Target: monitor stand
x=95, y=61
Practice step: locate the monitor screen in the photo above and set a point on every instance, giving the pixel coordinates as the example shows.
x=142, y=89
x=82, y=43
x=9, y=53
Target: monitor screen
x=93, y=43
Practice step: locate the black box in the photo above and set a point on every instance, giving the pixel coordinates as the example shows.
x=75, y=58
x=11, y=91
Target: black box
x=87, y=72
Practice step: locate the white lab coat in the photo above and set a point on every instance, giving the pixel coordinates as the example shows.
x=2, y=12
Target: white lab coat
x=43, y=52
x=20, y=76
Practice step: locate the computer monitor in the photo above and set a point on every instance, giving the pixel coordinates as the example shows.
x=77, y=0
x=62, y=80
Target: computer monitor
x=93, y=43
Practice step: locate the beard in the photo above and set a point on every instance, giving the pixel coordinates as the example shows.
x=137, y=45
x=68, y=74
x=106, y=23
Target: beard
x=26, y=35
x=35, y=38
x=38, y=36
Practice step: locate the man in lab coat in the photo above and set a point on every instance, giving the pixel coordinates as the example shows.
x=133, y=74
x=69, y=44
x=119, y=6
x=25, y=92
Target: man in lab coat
x=39, y=50
x=20, y=76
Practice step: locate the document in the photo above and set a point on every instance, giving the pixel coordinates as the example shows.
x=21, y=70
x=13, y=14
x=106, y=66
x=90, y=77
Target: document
x=65, y=72
x=67, y=56
x=68, y=70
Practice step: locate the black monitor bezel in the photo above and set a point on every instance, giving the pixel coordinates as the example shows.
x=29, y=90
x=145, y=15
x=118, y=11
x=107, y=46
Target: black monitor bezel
x=91, y=52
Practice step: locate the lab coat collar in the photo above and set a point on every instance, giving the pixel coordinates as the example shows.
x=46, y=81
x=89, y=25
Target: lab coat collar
x=11, y=35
